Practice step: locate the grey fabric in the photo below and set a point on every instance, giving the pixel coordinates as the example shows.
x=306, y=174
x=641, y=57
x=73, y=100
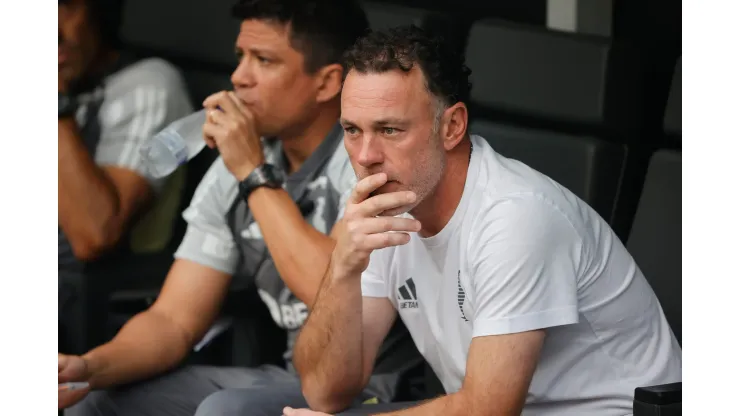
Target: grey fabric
x=672, y=117
x=255, y=401
x=655, y=239
x=320, y=203
x=180, y=392
x=261, y=401
x=537, y=71
x=588, y=167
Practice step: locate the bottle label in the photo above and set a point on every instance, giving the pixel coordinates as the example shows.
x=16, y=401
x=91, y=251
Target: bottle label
x=172, y=140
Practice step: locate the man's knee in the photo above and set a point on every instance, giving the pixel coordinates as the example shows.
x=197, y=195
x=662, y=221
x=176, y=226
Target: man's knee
x=96, y=403
x=224, y=403
x=257, y=401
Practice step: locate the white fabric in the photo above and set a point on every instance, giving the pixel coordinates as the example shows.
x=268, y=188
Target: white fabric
x=523, y=253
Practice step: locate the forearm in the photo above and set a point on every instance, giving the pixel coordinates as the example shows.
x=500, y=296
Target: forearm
x=149, y=344
x=300, y=252
x=328, y=353
x=452, y=404
x=88, y=202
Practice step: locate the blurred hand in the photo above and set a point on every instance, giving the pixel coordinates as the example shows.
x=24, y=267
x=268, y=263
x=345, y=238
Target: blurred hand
x=362, y=230
x=302, y=412
x=72, y=368
x=230, y=127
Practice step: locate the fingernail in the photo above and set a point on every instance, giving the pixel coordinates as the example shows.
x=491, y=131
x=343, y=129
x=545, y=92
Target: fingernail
x=411, y=196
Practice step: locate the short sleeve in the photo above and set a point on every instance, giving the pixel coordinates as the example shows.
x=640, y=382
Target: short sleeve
x=140, y=101
x=374, y=281
x=208, y=239
x=524, y=264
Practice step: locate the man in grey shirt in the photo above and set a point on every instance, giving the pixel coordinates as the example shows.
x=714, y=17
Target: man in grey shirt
x=246, y=225
x=109, y=105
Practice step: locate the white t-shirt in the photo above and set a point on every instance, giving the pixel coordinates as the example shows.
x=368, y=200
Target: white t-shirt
x=522, y=253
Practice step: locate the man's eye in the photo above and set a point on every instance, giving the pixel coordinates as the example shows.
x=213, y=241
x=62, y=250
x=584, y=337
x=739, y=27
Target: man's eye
x=388, y=131
x=350, y=130
x=263, y=60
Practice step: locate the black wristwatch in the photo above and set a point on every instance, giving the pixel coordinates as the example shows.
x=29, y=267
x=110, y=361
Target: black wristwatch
x=67, y=105
x=263, y=175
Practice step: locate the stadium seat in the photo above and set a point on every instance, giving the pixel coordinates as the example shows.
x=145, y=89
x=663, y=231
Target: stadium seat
x=383, y=16
x=672, y=119
x=655, y=239
x=537, y=97
x=531, y=71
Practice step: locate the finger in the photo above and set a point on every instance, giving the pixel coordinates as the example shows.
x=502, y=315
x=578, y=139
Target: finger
x=380, y=203
x=243, y=110
x=213, y=132
x=364, y=187
x=218, y=117
x=212, y=101
x=68, y=398
x=240, y=105
x=376, y=225
x=385, y=240
x=288, y=411
x=226, y=104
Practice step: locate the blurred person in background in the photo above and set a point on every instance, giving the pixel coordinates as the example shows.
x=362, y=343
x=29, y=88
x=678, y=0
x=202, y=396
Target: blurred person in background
x=263, y=213
x=109, y=105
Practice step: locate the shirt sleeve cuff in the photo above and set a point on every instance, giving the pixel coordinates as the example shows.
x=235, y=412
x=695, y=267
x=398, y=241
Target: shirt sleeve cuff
x=208, y=250
x=554, y=317
x=373, y=288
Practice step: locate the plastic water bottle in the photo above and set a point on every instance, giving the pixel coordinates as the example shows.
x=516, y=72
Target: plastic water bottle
x=179, y=142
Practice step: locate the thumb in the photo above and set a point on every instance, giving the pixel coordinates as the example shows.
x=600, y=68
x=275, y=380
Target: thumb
x=288, y=411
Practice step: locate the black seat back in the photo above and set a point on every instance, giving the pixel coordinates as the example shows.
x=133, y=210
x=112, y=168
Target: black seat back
x=529, y=71
x=655, y=239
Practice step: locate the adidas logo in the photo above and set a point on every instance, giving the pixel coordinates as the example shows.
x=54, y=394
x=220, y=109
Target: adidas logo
x=407, y=295
x=460, y=297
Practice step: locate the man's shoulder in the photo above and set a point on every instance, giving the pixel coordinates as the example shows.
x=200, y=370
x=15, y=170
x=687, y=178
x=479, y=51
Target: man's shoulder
x=154, y=72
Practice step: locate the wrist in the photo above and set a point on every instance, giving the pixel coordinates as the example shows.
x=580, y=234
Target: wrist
x=91, y=368
x=245, y=170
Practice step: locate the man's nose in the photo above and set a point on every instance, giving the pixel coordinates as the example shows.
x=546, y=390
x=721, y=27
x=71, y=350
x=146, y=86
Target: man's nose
x=243, y=76
x=371, y=152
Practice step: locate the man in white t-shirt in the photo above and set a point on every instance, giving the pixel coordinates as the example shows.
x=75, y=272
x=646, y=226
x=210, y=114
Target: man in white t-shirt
x=517, y=293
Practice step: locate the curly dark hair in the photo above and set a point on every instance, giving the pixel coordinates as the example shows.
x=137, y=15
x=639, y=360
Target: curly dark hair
x=322, y=30
x=444, y=68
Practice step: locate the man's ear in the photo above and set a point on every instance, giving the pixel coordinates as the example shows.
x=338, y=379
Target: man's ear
x=328, y=82
x=454, y=125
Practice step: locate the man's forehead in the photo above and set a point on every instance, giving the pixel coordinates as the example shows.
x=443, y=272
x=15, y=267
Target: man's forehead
x=263, y=34
x=390, y=89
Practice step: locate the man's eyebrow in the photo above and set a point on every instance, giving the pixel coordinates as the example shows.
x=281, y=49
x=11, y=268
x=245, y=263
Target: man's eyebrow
x=387, y=121
x=345, y=122
x=238, y=51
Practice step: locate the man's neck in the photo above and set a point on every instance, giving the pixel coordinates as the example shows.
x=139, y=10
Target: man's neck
x=300, y=145
x=438, y=207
